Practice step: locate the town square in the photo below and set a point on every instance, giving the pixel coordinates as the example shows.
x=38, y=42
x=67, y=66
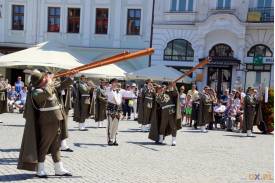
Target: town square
x=137, y=91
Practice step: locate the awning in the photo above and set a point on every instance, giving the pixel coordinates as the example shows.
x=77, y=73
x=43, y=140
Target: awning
x=226, y=61
x=158, y=73
x=47, y=54
x=107, y=71
x=55, y=56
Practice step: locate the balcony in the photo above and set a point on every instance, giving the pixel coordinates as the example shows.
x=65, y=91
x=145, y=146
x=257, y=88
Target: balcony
x=180, y=16
x=260, y=15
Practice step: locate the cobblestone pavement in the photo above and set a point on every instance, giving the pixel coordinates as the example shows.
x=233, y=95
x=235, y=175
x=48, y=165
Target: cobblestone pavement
x=217, y=156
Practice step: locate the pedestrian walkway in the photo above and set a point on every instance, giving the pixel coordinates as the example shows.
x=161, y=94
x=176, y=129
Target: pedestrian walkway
x=217, y=156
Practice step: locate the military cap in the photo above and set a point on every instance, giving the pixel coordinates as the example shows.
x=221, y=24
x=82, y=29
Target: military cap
x=113, y=80
x=102, y=80
x=36, y=77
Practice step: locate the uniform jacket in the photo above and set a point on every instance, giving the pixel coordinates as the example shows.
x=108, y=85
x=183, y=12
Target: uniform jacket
x=28, y=156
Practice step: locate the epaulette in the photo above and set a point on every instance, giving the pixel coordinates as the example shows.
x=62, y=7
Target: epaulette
x=37, y=91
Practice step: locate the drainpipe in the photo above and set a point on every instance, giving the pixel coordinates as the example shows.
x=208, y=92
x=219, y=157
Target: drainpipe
x=152, y=29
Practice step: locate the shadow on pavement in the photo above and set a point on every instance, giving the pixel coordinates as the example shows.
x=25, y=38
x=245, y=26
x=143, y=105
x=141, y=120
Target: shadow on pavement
x=191, y=131
x=130, y=130
x=15, y=177
x=22, y=177
x=15, y=125
x=9, y=150
x=240, y=136
x=8, y=161
x=85, y=144
x=145, y=144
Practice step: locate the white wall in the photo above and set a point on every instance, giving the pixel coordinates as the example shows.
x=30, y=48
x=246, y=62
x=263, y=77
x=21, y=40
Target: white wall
x=35, y=23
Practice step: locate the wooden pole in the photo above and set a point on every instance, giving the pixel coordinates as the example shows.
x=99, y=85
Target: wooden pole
x=111, y=60
x=201, y=64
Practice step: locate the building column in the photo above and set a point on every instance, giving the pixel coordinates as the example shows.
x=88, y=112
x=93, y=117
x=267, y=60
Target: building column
x=87, y=23
x=2, y=20
x=199, y=53
x=117, y=26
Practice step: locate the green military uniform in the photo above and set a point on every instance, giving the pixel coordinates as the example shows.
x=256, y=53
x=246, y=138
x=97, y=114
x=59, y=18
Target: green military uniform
x=155, y=120
x=65, y=97
x=100, y=104
x=82, y=102
x=206, y=114
x=148, y=99
x=3, y=96
x=45, y=126
x=166, y=116
x=92, y=99
x=250, y=103
x=140, y=102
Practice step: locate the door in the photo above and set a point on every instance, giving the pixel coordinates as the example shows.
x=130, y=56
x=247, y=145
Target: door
x=15, y=73
x=219, y=78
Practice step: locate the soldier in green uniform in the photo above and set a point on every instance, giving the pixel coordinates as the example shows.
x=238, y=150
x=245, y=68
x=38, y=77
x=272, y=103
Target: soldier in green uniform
x=170, y=120
x=65, y=96
x=45, y=125
x=146, y=98
x=206, y=114
x=250, y=103
x=82, y=102
x=3, y=95
x=101, y=103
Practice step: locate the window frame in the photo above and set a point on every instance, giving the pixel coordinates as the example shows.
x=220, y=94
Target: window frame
x=13, y=27
x=264, y=4
x=73, y=17
x=140, y=19
x=108, y=19
x=251, y=67
x=187, y=45
x=214, y=48
x=253, y=48
x=53, y=16
x=223, y=5
x=187, y=4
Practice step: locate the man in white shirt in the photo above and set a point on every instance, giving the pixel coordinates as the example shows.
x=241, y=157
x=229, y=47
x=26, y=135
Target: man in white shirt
x=114, y=99
x=135, y=91
x=128, y=97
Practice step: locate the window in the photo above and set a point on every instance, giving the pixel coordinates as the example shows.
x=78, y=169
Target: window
x=221, y=50
x=179, y=50
x=258, y=74
x=260, y=50
x=133, y=21
x=264, y=3
x=17, y=17
x=53, y=19
x=181, y=5
x=224, y=4
x=101, y=21
x=73, y=20
x=263, y=67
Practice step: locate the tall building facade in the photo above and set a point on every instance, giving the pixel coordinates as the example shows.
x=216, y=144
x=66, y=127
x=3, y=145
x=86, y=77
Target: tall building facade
x=237, y=34
x=103, y=25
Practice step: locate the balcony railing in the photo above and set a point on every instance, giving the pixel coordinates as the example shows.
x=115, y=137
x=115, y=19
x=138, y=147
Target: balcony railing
x=260, y=15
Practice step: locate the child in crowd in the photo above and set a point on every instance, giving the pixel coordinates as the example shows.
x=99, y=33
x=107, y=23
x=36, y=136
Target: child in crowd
x=188, y=108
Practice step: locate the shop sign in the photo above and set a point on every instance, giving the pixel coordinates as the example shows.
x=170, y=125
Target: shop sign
x=258, y=60
x=269, y=60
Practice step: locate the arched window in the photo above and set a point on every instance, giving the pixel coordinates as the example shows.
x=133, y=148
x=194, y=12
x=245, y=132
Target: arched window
x=179, y=50
x=259, y=50
x=221, y=50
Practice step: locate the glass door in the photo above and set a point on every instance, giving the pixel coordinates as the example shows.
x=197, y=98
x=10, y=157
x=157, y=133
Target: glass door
x=219, y=79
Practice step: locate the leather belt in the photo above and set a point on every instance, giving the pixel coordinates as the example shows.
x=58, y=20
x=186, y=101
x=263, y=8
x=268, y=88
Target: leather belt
x=167, y=106
x=50, y=108
x=150, y=98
